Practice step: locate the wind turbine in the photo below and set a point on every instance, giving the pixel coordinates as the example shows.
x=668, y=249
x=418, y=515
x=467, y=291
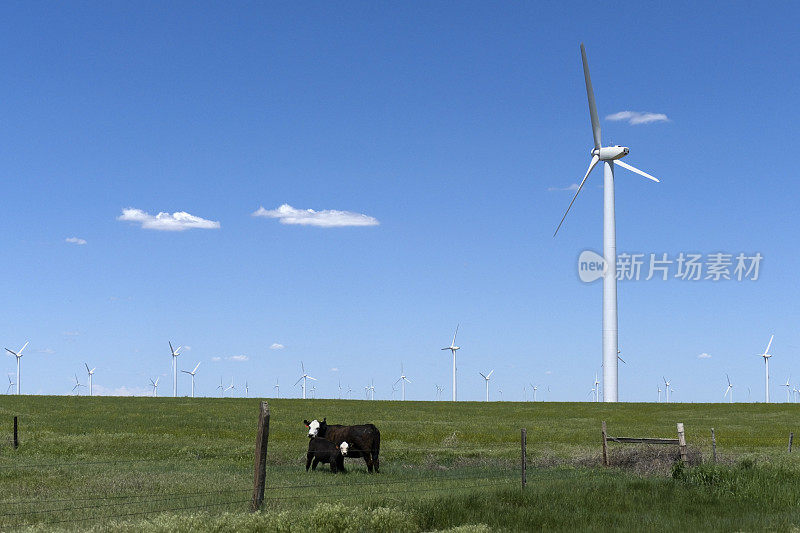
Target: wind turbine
x=232, y=386
x=608, y=155
x=10, y=384
x=766, y=355
x=91, y=373
x=729, y=389
x=221, y=387
x=666, y=387
x=246, y=390
x=659, y=393
x=77, y=386
x=154, y=384
x=453, y=348
x=175, y=354
x=277, y=388
x=500, y=391
x=439, y=390
x=535, y=388
x=339, y=394
x=788, y=389
x=304, y=377
x=18, y=355
x=192, y=373
x=349, y=390
x=402, y=379
x=312, y=391
x=486, y=378
x=596, y=388
x=371, y=390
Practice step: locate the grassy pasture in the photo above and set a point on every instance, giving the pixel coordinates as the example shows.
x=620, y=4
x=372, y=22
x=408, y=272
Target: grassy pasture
x=113, y=463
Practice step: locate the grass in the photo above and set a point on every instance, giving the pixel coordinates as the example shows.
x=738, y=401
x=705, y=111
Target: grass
x=186, y=464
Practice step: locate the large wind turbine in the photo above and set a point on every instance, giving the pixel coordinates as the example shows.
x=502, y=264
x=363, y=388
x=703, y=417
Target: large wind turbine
x=154, y=384
x=729, y=389
x=91, y=373
x=18, y=355
x=608, y=155
x=486, y=378
x=175, y=354
x=192, y=373
x=403, y=379
x=766, y=355
x=304, y=377
x=453, y=349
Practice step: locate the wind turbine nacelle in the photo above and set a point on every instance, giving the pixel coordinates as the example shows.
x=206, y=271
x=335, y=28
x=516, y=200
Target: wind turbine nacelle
x=610, y=153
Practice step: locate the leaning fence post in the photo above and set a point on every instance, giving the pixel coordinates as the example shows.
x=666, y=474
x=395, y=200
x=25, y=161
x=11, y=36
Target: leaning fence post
x=682, y=443
x=791, y=438
x=260, y=474
x=16, y=438
x=524, y=442
x=713, y=446
x=605, y=445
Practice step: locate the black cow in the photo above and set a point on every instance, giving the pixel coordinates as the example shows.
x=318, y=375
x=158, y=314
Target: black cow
x=364, y=439
x=324, y=451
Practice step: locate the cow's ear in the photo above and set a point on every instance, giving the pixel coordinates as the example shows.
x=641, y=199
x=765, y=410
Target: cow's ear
x=306, y=422
x=324, y=420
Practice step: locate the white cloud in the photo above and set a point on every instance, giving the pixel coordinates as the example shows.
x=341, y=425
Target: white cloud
x=638, y=117
x=704, y=355
x=99, y=390
x=215, y=359
x=75, y=240
x=178, y=221
x=71, y=333
x=48, y=351
x=277, y=346
x=573, y=187
x=328, y=218
x=334, y=369
x=237, y=358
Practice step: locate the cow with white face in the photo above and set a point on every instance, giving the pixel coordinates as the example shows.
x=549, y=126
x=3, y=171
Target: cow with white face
x=360, y=441
x=324, y=451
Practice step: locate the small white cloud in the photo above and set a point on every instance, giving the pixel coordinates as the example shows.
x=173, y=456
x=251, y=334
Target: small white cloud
x=573, y=187
x=215, y=359
x=71, y=333
x=75, y=240
x=638, y=117
x=178, y=221
x=48, y=351
x=704, y=355
x=334, y=369
x=277, y=346
x=237, y=358
x=548, y=372
x=99, y=390
x=329, y=218
x=187, y=348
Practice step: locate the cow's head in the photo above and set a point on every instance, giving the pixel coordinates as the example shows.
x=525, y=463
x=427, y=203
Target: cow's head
x=343, y=448
x=314, y=428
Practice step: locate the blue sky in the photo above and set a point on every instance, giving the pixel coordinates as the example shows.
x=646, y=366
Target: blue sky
x=449, y=124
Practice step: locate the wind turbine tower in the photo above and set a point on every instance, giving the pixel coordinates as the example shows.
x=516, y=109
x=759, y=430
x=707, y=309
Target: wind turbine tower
x=402, y=379
x=91, y=373
x=453, y=348
x=192, y=373
x=18, y=355
x=486, y=378
x=766, y=355
x=609, y=155
x=175, y=354
x=303, y=378
x=729, y=389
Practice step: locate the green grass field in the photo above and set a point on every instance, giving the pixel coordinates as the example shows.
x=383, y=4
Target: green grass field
x=187, y=464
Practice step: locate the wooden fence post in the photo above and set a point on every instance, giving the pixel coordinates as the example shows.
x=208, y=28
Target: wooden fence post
x=713, y=446
x=791, y=438
x=605, y=445
x=260, y=475
x=16, y=438
x=524, y=441
x=682, y=443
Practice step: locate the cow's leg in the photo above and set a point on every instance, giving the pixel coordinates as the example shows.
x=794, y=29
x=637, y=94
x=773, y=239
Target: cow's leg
x=333, y=466
x=368, y=460
x=375, y=461
x=309, y=457
x=314, y=464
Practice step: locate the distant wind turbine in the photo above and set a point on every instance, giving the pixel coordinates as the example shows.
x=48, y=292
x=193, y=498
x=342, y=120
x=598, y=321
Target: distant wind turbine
x=349, y=390
x=192, y=373
x=77, y=388
x=221, y=387
x=659, y=393
x=371, y=390
x=175, y=353
x=500, y=392
x=18, y=355
x=729, y=389
x=154, y=384
x=609, y=155
x=535, y=388
x=10, y=384
x=402, y=379
x=246, y=390
x=91, y=373
x=439, y=390
x=596, y=388
x=232, y=386
x=666, y=387
x=486, y=378
x=303, y=378
x=453, y=348
x=277, y=388
x=766, y=355
x=788, y=389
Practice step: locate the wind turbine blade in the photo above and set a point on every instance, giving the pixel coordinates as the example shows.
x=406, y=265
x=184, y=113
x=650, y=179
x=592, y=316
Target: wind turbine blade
x=172, y=350
x=309, y=377
x=87, y=368
x=454, y=335
x=395, y=383
x=298, y=381
x=195, y=368
x=592, y=164
x=634, y=169
x=621, y=359
x=185, y=371
x=765, y=351
x=481, y=373
x=15, y=353
x=590, y=96
x=490, y=374
x=19, y=353
x=729, y=380
x=408, y=380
